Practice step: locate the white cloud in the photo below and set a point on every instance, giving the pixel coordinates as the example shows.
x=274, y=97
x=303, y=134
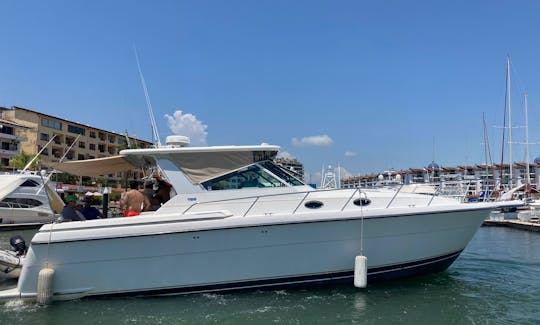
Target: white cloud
x=285, y=154
x=343, y=173
x=350, y=154
x=188, y=125
x=313, y=141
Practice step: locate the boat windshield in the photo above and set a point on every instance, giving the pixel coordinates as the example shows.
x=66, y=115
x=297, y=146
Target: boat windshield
x=262, y=174
x=281, y=173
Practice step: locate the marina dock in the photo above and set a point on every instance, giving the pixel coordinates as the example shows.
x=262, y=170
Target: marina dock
x=516, y=224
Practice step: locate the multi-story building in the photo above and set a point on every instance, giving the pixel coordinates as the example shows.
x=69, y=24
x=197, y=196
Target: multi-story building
x=68, y=140
x=9, y=141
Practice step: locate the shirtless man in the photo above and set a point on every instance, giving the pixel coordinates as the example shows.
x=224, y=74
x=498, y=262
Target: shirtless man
x=133, y=201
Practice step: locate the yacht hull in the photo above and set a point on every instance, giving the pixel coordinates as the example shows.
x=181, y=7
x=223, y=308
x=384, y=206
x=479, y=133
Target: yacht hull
x=164, y=256
x=23, y=216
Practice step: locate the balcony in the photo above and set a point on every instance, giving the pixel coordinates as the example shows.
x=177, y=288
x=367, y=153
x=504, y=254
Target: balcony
x=8, y=153
x=12, y=137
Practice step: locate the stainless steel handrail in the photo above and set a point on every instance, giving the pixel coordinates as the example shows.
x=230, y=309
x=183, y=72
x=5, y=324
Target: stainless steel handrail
x=257, y=198
x=394, y=197
x=439, y=190
x=350, y=198
x=251, y=206
x=299, y=204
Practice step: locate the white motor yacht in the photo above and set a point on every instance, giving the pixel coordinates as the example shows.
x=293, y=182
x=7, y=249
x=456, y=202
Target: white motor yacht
x=25, y=199
x=238, y=221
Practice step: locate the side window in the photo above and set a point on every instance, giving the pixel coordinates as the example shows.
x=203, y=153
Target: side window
x=19, y=203
x=30, y=183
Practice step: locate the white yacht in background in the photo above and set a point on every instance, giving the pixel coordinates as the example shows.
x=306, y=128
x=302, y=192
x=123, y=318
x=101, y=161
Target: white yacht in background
x=25, y=199
x=239, y=221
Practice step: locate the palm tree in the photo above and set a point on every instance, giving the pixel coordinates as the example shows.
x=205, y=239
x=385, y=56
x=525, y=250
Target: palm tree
x=21, y=160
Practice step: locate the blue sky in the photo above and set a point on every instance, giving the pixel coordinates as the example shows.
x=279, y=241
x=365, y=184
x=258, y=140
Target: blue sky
x=369, y=85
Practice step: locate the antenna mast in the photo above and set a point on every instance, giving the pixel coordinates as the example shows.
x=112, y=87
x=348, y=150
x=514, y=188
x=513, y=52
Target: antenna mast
x=155, y=134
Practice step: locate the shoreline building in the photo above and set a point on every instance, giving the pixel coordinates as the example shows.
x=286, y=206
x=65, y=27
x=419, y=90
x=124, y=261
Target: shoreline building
x=470, y=180
x=74, y=140
x=10, y=142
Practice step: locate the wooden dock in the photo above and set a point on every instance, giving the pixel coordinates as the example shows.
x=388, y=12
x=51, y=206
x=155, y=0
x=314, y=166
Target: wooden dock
x=516, y=224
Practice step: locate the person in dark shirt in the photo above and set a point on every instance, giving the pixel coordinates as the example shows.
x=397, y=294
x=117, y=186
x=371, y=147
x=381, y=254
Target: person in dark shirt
x=89, y=211
x=155, y=202
x=70, y=213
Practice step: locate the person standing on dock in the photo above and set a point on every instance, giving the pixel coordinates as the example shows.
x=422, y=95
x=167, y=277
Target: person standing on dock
x=133, y=201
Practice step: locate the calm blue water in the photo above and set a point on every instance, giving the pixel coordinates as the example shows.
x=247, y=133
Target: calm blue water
x=495, y=281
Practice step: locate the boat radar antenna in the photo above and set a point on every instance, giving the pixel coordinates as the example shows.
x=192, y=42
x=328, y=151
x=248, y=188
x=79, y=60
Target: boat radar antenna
x=155, y=134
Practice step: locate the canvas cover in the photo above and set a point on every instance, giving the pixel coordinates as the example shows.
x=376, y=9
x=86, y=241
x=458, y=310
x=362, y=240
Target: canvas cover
x=202, y=166
x=198, y=165
x=94, y=167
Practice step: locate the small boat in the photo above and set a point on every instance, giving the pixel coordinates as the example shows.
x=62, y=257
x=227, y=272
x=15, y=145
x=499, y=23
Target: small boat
x=11, y=261
x=236, y=220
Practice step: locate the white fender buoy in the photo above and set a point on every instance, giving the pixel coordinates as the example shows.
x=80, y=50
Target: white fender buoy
x=360, y=271
x=44, y=286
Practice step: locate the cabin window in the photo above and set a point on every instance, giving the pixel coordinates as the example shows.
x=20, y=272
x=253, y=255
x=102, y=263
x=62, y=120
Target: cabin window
x=23, y=203
x=30, y=183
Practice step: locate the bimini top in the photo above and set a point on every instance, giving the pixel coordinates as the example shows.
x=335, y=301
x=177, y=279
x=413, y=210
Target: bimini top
x=197, y=163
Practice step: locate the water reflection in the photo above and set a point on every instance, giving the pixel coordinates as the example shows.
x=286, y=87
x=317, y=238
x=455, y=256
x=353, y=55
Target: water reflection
x=496, y=280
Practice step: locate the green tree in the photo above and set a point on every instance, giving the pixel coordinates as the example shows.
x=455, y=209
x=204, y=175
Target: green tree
x=22, y=159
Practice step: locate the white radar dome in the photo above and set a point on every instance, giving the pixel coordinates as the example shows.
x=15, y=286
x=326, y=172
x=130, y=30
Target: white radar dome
x=177, y=141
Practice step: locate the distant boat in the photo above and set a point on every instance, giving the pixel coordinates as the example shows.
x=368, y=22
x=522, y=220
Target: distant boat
x=26, y=198
x=520, y=191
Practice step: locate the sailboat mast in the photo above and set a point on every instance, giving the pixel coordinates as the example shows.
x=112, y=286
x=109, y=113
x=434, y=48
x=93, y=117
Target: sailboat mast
x=489, y=162
x=527, y=138
x=509, y=105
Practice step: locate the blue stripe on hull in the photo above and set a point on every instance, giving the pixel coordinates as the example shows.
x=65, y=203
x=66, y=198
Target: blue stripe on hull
x=431, y=265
